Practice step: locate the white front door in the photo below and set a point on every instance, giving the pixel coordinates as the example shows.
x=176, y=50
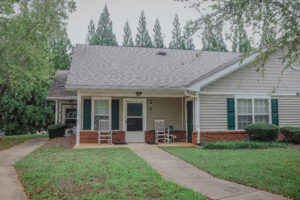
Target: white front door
x=134, y=119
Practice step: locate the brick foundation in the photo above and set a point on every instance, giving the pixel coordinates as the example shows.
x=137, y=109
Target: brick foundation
x=222, y=136
x=213, y=136
x=150, y=136
x=118, y=137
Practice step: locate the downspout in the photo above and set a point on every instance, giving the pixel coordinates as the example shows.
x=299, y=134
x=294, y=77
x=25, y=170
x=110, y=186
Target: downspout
x=197, y=113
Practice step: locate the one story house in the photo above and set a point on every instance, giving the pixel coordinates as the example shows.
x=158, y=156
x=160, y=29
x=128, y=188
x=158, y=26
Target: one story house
x=192, y=91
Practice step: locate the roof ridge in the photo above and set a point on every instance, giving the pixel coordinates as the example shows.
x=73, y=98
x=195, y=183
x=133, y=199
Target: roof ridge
x=171, y=49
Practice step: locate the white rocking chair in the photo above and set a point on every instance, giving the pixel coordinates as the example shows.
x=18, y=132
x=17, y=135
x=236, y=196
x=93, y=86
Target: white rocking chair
x=104, y=127
x=160, y=132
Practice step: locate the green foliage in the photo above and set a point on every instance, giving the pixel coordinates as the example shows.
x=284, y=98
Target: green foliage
x=158, y=40
x=61, y=51
x=142, y=37
x=291, y=134
x=127, y=37
x=262, y=132
x=26, y=64
x=112, y=173
x=56, y=130
x=277, y=22
x=275, y=170
x=240, y=41
x=177, y=41
x=212, y=38
x=245, y=144
x=90, y=37
x=187, y=36
x=104, y=32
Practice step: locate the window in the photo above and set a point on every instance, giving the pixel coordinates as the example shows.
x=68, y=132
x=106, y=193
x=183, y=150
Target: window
x=252, y=110
x=101, y=111
x=70, y=117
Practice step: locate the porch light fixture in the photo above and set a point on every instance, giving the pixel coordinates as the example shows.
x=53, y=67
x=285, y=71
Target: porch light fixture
x=138, y=94
x=150, y=105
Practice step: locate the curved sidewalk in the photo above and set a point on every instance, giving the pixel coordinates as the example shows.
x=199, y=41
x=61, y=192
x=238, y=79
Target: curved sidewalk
x=187, y=175
x=10, y=186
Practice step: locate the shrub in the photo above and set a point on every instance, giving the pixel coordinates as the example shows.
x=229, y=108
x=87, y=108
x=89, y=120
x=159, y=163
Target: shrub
x=291, y=134
x=56, y=130
x=262, y=132
x=244, y=144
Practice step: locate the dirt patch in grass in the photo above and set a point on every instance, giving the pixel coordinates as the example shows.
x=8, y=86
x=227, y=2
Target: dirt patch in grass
x=66, y=142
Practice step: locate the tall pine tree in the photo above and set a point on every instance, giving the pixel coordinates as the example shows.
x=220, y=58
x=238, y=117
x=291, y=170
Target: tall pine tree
x=177, y=41
x=127, y=37
x=212, y=38
x=240, y=41
x=90, y=37
x=104, y=33
x=158, y=40
x=142, y=37
x=187, y=36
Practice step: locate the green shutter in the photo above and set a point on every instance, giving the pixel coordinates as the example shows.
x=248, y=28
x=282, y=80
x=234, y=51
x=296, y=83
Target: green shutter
x=274, y=106
x=87, y=108
x=230, y=114
x=115, y=115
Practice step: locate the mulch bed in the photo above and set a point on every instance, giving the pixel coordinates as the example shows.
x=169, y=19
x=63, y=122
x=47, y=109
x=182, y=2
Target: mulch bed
x=66, y=142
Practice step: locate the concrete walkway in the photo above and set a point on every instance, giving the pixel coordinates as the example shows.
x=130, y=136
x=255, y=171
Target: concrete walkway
x=10, y=186
x=187, y=175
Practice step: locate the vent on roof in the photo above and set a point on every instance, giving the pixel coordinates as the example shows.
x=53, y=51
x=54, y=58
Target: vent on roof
x=161, y=53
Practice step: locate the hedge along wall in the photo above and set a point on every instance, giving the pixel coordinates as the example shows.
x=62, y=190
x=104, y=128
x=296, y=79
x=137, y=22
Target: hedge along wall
x=213, y=136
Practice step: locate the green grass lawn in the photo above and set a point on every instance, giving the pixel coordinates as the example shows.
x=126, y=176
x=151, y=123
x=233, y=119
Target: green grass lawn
x=115, y=173
x=9, y=141
x=274, y=170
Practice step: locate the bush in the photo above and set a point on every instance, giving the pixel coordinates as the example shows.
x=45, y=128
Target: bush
x=262, y=132
x=56, y=130
x=291, y=134
x=244, y=144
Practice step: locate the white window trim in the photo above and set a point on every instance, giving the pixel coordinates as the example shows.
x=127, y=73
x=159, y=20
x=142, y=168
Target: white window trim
x=236, y=97
x=109, y=109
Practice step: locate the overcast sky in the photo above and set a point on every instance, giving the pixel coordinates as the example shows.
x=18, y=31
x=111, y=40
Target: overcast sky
x=122, y=10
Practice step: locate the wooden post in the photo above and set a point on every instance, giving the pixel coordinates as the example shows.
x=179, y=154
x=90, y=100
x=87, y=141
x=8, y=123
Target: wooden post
x=78, y=122
x=56, y=111
x=197, y=115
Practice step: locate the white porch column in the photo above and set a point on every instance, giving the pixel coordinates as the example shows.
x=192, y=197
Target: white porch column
x=78, y=122
x=197, y=115
x=56, y=111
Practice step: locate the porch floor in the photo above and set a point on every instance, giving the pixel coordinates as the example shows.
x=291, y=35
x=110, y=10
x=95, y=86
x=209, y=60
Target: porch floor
x=93, y=146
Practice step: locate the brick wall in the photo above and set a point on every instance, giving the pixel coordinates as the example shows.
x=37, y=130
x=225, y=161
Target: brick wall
x=222, y=136
x=118, y=137
x=213, y=136
x=150, y=136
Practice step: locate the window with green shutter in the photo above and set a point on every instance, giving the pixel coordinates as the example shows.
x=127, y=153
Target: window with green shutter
x=87, y=108
x=230, y=114
x=115, y=114
x=274, y=107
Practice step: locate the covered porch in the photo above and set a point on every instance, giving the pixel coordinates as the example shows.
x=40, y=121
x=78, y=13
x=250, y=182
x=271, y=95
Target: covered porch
x=132, y=114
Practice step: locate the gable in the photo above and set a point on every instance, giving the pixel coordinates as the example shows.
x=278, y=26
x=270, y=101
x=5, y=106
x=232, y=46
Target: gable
x=247, y=80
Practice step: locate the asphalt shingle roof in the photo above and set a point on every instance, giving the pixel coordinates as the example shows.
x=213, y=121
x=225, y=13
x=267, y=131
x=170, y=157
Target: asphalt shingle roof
x=57, y=88
x=95, y=66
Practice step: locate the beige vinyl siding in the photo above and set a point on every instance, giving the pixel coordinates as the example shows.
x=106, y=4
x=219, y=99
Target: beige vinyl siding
x=247, y=80
x=168, y=109
x=213, y=112
x=288, y=110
